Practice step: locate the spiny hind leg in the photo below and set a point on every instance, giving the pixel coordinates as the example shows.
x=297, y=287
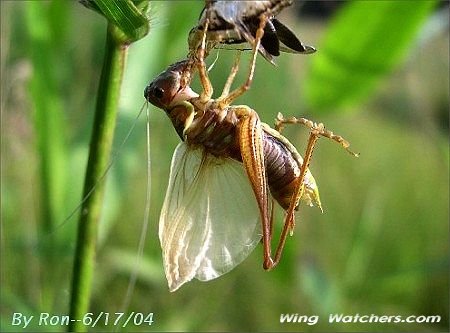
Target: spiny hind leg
x=289, y=221
x=316, y=128
x=250, y=135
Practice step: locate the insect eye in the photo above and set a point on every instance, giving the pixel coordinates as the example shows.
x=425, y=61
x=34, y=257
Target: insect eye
x=158, y=92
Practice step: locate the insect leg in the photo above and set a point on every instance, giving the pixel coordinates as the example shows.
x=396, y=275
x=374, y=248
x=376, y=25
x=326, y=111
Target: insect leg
x=230, y=79
x=239, y=91
x=207, y=92
x=250, y=135
x=317, y=130
x=289, y=222
x=280, y=121
x=272, y=212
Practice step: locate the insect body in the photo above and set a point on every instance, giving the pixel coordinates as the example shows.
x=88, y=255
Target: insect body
x=209, y=220
x=217, y=131
x=223, y=175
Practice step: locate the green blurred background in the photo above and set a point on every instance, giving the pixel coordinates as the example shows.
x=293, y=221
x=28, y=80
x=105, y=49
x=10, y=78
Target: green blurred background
x=381, y=245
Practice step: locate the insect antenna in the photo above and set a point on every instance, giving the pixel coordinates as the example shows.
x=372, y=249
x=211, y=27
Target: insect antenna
x=145, y=223
x=105, y=172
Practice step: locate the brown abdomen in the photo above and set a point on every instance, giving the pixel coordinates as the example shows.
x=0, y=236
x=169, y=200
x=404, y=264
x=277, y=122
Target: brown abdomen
x=282, y=170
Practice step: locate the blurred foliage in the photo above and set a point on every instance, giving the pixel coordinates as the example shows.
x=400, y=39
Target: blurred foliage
x=380, y=247
x=363, y=44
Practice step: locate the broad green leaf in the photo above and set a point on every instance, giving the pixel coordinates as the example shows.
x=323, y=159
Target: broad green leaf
x=363, y=43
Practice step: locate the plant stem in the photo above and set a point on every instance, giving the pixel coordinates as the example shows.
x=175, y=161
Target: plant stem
x=100, y=148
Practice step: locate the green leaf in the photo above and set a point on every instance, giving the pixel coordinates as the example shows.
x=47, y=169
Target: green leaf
x=127, y=15
x=363, y=44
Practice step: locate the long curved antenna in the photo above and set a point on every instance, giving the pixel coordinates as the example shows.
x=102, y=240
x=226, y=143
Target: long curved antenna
x=102, y=177
x=141, y=245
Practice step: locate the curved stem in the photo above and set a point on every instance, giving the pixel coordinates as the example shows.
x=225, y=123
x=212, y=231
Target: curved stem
x=99, y=152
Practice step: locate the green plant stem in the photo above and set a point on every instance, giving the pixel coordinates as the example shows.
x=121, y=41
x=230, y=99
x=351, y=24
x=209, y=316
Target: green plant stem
x=100, y=147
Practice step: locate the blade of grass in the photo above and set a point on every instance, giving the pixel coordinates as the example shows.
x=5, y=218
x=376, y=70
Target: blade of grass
x=125, y=16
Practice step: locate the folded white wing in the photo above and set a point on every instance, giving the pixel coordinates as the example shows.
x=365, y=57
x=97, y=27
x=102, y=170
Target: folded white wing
x=210, y=220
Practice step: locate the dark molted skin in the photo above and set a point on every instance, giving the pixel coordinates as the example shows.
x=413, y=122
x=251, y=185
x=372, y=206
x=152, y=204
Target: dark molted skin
x=215, y=129
x=236, y=22
x=276, y=34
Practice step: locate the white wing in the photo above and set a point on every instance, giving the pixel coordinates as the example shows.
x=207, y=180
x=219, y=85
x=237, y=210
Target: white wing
x=210, y=220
